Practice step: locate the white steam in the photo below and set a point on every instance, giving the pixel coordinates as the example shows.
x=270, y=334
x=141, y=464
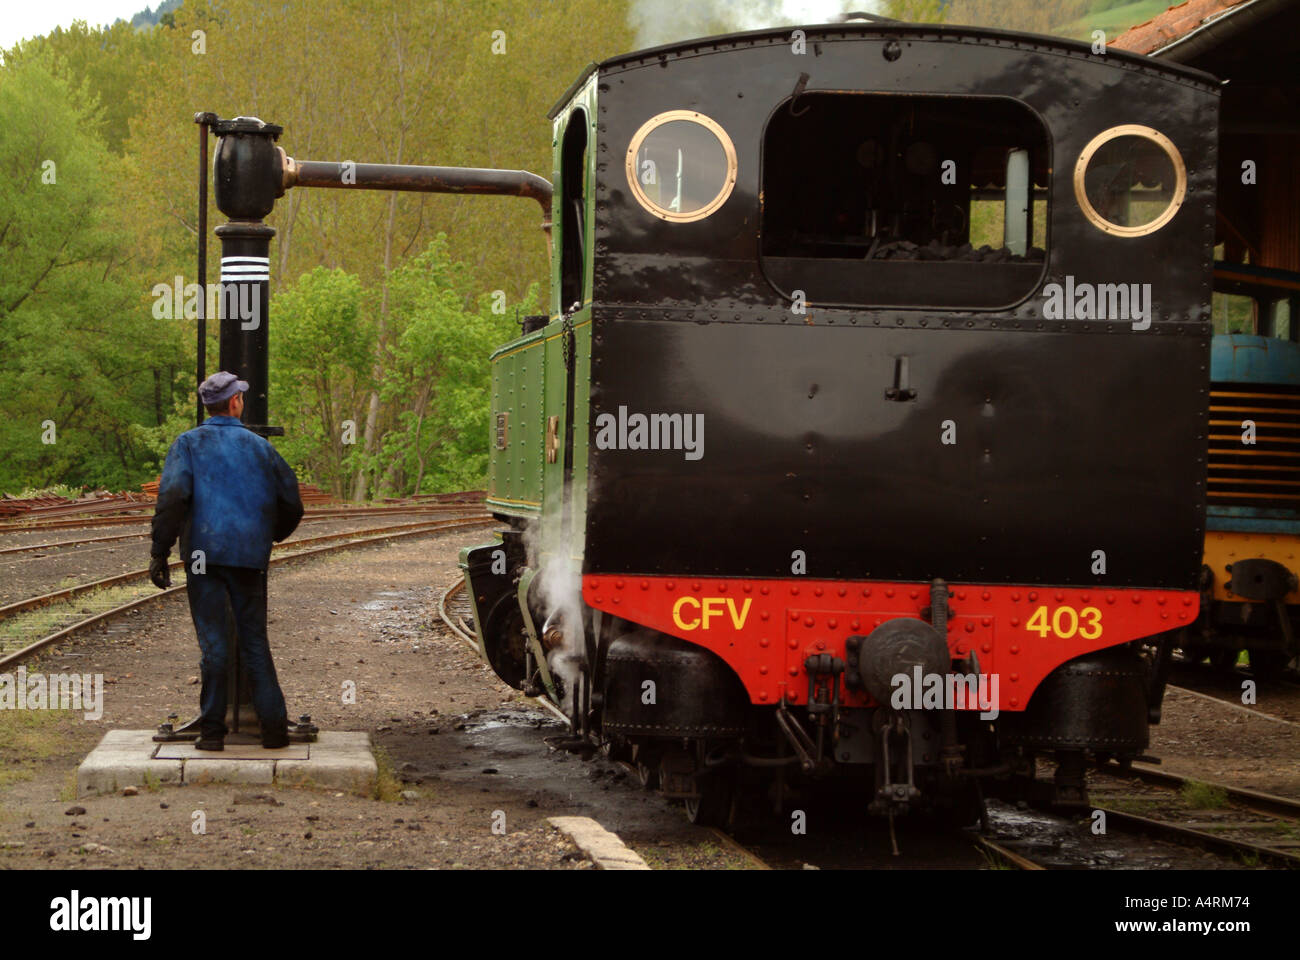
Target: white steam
x=558, y=590
x=671, y=21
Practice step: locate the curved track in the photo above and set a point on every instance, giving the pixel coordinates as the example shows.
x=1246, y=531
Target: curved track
x=459, y=622
x=14, y=653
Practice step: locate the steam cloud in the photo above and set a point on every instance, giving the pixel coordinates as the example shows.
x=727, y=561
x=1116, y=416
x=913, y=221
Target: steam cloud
x=558, y=589
x=671, y=21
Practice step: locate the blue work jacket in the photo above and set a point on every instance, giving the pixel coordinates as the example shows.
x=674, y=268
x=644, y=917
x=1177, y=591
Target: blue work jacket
x=225, y=491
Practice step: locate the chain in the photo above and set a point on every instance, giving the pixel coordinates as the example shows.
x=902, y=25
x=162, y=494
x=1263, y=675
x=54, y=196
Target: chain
x=566, y=334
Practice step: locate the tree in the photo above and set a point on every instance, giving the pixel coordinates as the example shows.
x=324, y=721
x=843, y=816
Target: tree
x=320, y=368
x=76, y=336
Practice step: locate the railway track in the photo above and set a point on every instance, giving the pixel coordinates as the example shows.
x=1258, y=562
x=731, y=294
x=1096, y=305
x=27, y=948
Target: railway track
x=144, y=513
x=20, y=640
x=1248, y=827
x=456, y=612
x=16, y=557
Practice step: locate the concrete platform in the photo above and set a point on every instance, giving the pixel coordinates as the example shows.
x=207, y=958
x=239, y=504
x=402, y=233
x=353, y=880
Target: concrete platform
x=337, y=761
x=603, y=848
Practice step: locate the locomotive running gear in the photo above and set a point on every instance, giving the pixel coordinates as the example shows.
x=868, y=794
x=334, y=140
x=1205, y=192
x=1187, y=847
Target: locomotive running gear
x=227, y=493
x=246, y=590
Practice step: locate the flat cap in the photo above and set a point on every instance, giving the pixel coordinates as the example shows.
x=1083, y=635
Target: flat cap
x=219, y=387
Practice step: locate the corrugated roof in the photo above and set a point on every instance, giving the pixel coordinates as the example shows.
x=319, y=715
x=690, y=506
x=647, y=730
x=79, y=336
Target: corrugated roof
x=1174, y=24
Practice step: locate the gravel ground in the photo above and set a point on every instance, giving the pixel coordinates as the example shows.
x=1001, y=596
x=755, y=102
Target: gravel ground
x=1212, y=741
x=466, y=748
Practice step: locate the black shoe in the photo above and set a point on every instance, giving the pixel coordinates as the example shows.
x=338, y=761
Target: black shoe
x=209, y=743
x=275, y=740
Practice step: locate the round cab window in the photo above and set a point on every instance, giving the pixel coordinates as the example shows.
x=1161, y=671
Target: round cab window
x=681, y=166
x=1130, y=180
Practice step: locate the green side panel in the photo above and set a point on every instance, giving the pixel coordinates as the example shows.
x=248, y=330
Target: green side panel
x=551, y=543
x=555, y=544
x=517, y=442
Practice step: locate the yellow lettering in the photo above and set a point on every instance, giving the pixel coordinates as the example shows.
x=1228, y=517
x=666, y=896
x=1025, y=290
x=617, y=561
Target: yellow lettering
x=709, y=608
x=1059, y=621
x=709, y=604
x=739, y=621
x=1066, y=622
x=677, y=615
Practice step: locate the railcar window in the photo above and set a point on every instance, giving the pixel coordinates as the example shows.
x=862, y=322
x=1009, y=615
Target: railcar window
x=681, y=166
x=573, y=210
x=884, y=200
x=1233, y=313
x=1130, y=180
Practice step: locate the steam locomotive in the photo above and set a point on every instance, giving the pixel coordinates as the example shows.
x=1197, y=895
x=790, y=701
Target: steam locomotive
x=866, y=435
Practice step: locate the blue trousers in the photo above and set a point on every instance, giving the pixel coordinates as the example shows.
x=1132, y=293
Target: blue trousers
x=244, y=588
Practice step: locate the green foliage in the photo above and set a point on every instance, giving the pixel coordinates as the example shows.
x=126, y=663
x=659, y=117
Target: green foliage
x=917, y=11
x=77, y=344
x=57, y=490
x=434, y=375
x=320, y=365
x=372, y=80
x=1203, y=796
x=1112, y=17
x=1232, y=313
x=440, y=374
x=102, y=66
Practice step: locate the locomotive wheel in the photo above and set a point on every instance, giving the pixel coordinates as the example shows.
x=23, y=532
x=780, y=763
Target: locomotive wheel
x=646, y=762
x=504, y=630
x=648, y=775
x=712, y=808
x=1194, y=653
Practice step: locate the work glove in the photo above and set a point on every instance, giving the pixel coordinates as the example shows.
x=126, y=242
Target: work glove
x=160, y=573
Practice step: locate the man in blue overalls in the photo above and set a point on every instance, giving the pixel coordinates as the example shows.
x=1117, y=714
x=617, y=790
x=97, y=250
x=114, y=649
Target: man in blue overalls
x=227, y=493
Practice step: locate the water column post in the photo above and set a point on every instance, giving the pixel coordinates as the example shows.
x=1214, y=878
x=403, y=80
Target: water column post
x=247, y=177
